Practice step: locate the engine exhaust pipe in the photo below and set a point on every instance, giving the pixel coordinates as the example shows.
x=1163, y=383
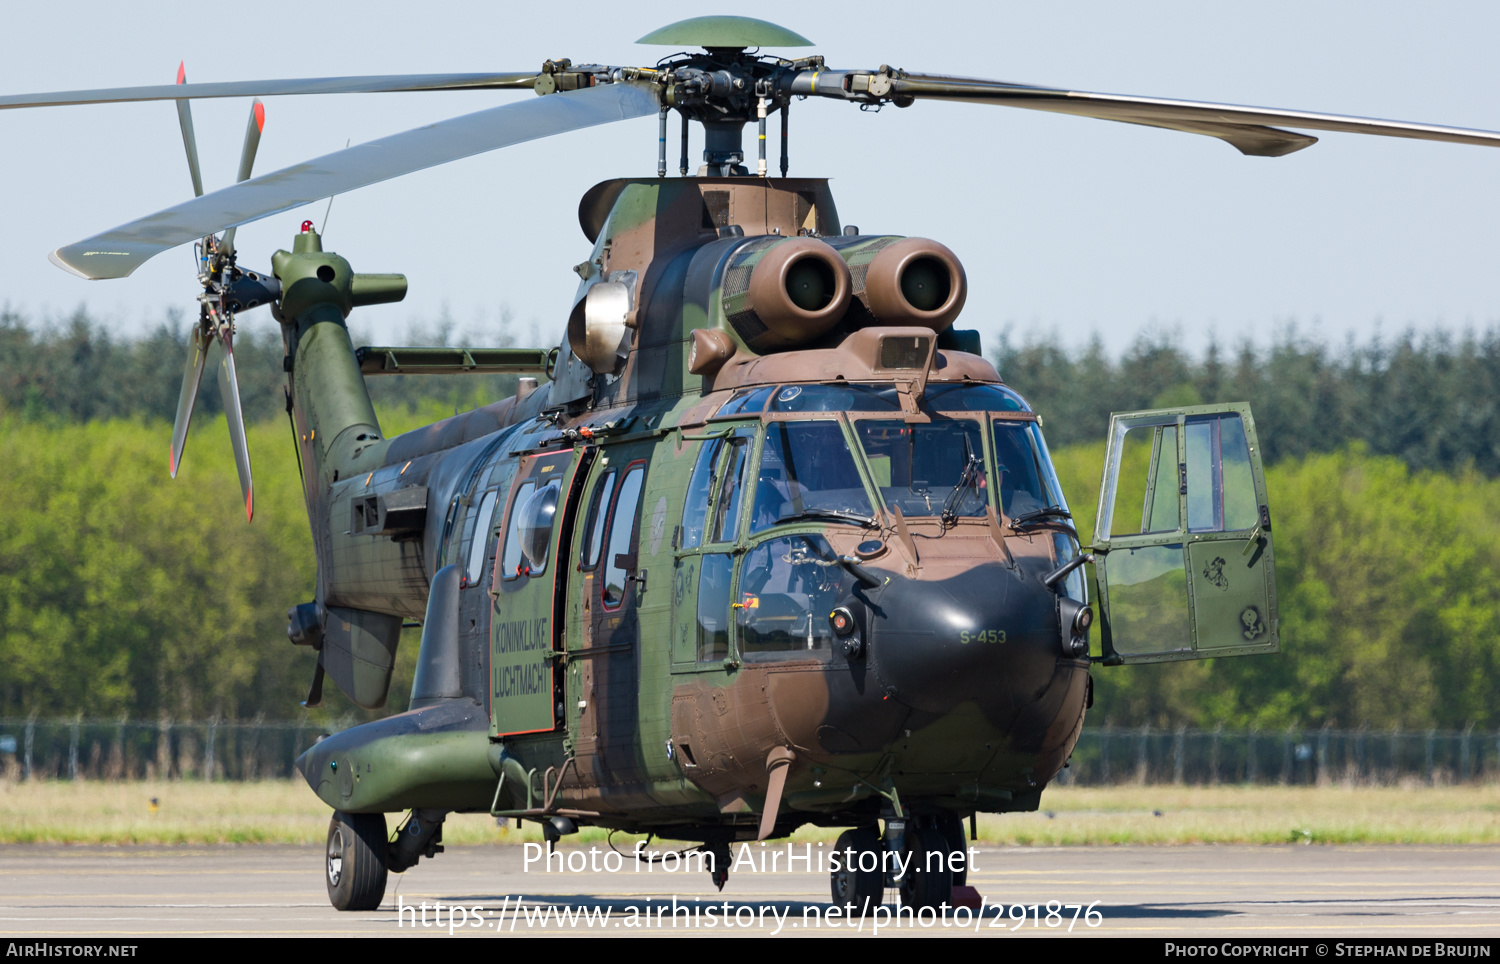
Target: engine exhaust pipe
x=915, y=281
x=795, y=291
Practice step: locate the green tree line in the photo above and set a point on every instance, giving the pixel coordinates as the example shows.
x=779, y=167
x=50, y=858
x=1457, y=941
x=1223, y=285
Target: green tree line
x=1432, y=401
x=74, y=370
x=124, y=592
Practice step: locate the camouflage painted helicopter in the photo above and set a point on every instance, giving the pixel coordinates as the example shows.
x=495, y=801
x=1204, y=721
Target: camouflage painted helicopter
x=772, y=545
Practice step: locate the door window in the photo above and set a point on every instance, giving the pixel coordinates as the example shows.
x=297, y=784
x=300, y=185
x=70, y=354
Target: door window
x=1183, y=541
x=619, y=558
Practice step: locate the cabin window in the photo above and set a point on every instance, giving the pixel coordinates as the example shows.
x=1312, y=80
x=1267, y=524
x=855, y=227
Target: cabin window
x=622, y=539
x=598, y=512
x=534, y=526
x=807, y=472
x=479, y=541
x=511, y=562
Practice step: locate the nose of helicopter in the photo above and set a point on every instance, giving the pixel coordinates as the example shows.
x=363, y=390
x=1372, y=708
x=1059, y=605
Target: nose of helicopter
x=986, y=636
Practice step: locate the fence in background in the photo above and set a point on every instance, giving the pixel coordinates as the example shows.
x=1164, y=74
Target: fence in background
x=167, y=749
x=217, y=750
x=1114, y=755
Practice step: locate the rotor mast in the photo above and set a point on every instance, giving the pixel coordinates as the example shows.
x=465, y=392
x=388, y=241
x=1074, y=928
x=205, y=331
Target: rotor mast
x=725, y=88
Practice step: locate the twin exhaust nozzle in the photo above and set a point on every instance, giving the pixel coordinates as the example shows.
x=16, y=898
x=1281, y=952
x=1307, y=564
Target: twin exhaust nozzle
x=778, y=293
x=783, y=292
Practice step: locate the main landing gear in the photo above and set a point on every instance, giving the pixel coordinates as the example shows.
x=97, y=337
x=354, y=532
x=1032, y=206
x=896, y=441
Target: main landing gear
x=359, y=857
x=931, y=863
x=356, y=860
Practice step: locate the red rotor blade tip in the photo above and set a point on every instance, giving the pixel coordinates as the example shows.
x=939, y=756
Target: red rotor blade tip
x=260, y=115
x=250, y=505
x=182, y=71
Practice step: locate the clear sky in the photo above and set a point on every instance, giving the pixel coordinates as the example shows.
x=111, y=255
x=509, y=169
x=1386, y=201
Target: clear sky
x=1067, y=226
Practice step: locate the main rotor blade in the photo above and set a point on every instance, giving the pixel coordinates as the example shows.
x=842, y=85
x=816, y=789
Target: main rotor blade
x=118, y=252
x=390, y=83
x=1247, y=128
x=229, y=392
x=253, y=129
x=192, y=377
x=189, y=141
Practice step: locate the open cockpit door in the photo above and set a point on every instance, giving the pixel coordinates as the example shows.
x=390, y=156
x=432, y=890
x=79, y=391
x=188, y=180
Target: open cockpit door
x=1182, y=540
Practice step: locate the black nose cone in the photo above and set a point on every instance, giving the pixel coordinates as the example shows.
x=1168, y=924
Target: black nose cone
x=987, y=636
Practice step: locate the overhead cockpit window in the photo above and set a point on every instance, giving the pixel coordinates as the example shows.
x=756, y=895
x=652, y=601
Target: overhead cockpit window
x=973, y=398
x=746, y=400
x=835, y=398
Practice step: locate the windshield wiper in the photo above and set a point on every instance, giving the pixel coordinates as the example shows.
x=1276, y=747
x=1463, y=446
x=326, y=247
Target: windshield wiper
x=827, y=514
x=966, y=481
x=1049, y=518
x=1027, y=518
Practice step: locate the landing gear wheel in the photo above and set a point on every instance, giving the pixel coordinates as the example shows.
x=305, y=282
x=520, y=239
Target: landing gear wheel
x=952, y=829
x=922, y=886
x=854, y=883
x=355, y=866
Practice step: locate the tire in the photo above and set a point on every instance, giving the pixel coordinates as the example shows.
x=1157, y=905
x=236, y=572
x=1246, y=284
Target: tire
x=864, y=889
x=951, y=826
x=921, y=887
x=354, y=867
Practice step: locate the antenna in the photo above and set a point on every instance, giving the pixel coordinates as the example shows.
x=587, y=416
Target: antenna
x=329, y=209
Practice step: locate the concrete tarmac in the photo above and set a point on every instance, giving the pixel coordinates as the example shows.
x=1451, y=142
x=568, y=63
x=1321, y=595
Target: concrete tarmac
x=1449, y=894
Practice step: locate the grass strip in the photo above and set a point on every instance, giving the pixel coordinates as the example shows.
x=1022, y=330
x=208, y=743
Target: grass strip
x=283, y=812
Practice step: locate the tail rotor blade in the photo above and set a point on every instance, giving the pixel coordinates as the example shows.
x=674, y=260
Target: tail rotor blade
x=192, y=377
x=189, y=140
x=229, y=390
x=253, y=128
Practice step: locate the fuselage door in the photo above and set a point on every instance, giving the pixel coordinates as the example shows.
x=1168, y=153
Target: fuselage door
x=529, y=585
x=1183, y=538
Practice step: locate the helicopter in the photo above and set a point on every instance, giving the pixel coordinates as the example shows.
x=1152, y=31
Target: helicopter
x=764, y=541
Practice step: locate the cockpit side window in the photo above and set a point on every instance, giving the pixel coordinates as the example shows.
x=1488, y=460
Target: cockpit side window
x=700, y=487
x=787, y=588
x=735, y=465
x=1017, y=466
